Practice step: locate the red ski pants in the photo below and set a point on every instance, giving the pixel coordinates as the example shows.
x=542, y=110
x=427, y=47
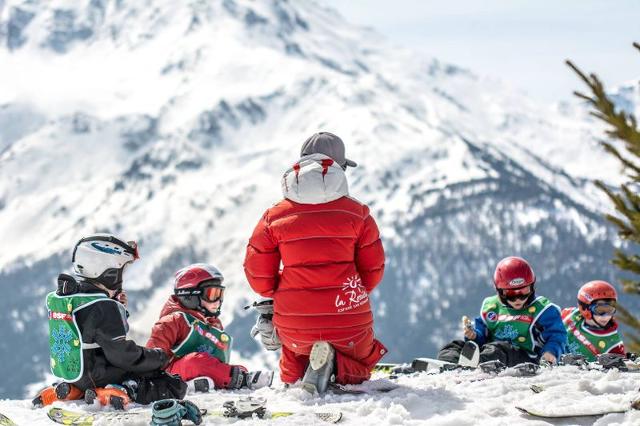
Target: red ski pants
x=198, y=364
x=356, y=354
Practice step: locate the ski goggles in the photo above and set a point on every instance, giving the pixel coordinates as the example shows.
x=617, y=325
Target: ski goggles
x=516, y=294
x=212, y=294
x=208, y=294
x=602, y=308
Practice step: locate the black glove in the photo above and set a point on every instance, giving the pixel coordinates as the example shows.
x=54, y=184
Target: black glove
x=159, y=385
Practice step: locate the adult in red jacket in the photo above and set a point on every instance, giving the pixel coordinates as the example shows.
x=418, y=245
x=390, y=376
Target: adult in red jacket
x=332, y=258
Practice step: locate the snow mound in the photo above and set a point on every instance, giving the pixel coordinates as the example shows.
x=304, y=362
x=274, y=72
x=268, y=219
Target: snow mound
x=450, y=398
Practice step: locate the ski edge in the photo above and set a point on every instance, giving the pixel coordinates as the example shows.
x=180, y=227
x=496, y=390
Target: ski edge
x=533, y=413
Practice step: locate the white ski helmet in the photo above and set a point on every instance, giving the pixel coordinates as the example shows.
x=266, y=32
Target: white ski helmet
x=102, y=258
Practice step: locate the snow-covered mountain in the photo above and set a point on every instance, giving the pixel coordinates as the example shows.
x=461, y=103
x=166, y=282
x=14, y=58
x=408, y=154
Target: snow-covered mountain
x=172, y=123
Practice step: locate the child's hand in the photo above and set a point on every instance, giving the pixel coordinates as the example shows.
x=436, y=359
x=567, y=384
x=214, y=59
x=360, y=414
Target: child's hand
x=467, y=328
x=549, y=357
x=122, y=298
x=469, y=333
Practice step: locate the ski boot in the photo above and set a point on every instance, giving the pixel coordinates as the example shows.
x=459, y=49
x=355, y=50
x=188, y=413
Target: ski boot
x=249, y=379
x=258, y=379
x=608, y=361
x=469, y=355
x=573, y=359
x=319, y=373
x=493, y=366
x=245, y=407
x=60, y=392
x=419, y=365
x=527, y=369
x=450, y=367
x=113, y=395
x=200, y=384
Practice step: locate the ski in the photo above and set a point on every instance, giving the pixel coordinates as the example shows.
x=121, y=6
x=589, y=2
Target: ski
x=565, y=415
x=6, y=421
x=566, y=409
x=392, y=371
x=370, y=387
x=432, y=364
x=76, y=418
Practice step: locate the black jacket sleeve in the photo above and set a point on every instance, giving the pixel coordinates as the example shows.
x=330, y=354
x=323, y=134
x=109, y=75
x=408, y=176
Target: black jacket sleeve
x=105, y=325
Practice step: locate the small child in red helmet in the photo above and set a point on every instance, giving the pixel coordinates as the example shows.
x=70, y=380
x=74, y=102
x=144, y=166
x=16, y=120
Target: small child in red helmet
x=515, y=326
x=591, y=326
x=190, y=332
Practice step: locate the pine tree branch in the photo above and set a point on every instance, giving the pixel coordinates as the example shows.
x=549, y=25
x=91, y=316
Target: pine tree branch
x=627, y=263
x=628, y=164
x=621, y=127
x=628, y=318
x=630, y=286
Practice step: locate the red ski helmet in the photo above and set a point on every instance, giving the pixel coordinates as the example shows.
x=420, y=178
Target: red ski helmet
x=593, y=291
x=198, y=282
x=513, y=273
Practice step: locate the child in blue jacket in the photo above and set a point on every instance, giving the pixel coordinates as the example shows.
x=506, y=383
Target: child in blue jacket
x=515, y=325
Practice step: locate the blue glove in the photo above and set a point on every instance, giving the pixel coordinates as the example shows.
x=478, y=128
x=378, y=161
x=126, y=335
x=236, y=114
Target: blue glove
x=170, y=412
x=192, y=412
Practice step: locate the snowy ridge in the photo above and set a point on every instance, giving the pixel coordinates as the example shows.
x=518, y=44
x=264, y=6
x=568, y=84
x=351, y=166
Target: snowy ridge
x=460, y=398
x=172, y=123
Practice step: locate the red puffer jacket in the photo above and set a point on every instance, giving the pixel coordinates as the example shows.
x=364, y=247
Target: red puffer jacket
x=172, y=329
x=330, y=250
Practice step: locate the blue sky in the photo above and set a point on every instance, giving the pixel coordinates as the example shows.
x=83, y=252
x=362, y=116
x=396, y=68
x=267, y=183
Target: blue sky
x=523, y=42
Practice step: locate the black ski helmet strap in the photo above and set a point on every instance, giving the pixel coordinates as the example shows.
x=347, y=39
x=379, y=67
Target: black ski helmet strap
x=107, y=238
x=111, y=278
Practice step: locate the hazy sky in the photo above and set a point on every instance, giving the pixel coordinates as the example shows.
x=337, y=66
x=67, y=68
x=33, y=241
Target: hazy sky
x=523, y=42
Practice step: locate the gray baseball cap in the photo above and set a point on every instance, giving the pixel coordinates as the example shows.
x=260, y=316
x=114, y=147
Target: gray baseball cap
x=328, y=144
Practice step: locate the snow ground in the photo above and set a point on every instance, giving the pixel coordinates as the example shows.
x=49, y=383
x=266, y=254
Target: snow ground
x=450, y=398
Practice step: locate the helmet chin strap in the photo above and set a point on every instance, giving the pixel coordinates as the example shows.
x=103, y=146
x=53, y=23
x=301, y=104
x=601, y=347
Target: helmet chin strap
x=103, y=287
x=208, y=313
x=593, y=318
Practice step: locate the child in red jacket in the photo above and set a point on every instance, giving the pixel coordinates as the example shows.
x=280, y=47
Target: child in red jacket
x=189, y=331
x=591, y=326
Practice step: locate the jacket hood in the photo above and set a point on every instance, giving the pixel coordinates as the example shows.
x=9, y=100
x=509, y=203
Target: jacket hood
x=314, y=179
